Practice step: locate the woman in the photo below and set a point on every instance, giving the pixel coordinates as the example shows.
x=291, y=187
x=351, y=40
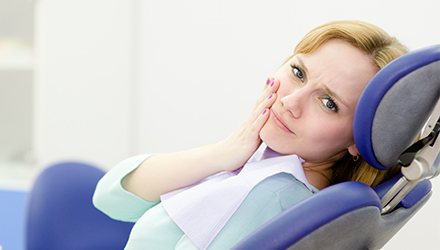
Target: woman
x=306, y=110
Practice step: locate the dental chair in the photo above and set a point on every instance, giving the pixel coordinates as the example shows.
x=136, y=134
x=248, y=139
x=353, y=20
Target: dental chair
x=61, y=216
x=396, y=122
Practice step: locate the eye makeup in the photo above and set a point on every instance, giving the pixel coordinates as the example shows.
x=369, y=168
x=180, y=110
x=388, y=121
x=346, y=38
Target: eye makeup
x=329, y=103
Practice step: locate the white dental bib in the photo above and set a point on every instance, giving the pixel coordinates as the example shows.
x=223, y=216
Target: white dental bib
x=202, y=210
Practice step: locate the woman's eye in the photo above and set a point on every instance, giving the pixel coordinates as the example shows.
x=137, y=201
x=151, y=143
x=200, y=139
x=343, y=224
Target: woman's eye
x=298, y=72
x=329, y=103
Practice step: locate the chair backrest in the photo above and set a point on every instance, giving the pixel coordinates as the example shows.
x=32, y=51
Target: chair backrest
x=343, y=216
x=391, y=112
x=61, y=215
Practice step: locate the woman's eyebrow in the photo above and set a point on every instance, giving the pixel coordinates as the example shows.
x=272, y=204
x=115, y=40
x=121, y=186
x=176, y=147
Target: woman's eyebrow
x=334, y=95
x=303, y=66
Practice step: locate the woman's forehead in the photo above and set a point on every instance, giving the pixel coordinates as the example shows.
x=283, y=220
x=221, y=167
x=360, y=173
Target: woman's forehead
x=341, y=53
x=340, y=67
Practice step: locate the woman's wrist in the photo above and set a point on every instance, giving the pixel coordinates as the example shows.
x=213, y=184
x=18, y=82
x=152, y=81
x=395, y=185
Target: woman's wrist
x=229, y=155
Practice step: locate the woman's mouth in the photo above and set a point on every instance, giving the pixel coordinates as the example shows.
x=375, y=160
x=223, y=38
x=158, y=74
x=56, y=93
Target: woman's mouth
x=280, y=122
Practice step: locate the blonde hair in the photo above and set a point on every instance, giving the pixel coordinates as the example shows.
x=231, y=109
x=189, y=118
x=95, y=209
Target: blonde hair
x=382, y=48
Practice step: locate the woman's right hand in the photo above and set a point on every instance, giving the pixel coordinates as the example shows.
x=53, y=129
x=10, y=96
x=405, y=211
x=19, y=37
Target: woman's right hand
x=236, y=149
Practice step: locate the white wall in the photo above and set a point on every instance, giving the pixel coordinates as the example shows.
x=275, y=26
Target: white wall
x=84, y=81
x=116, y=78
x=203, y=64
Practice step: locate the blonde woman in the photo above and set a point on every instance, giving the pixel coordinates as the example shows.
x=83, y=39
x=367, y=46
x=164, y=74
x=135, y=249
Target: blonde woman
x=297, y=140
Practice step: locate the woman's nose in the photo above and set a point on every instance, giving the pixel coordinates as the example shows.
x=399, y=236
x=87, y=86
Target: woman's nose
x=293, y=103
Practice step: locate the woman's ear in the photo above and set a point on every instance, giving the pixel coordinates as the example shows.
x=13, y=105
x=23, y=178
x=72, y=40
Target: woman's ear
x=352, y=149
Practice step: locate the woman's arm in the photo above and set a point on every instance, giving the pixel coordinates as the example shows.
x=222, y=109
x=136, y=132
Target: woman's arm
x=112, y=199
x=167, y=172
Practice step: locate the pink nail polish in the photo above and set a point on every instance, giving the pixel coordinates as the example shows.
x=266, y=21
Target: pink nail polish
x=272, y=83
x=268, y=81
x=270, y=95
x=264, y=112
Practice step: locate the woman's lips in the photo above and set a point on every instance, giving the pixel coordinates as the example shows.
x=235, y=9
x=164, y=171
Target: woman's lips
x=280, y=122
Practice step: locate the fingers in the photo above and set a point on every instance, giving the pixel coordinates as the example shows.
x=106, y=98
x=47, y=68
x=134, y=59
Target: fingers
x=268, y=97
x=271, y=86
x=261, y=111
x=265, y=104
x=248, y=133
x=259, y=122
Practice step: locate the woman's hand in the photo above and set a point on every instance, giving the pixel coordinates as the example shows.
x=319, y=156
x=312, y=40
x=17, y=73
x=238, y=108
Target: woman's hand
x=237, y=148
x=163, y=173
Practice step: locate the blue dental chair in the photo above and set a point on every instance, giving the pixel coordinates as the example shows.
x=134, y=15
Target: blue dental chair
x=400, y=105
x=61, y=216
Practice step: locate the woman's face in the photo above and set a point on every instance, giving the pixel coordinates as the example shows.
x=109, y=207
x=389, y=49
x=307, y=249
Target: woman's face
x=313, y=113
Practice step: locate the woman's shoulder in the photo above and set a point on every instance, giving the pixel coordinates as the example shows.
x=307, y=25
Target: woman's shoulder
x=285, y=189
x=266, y=200
x=284, y=182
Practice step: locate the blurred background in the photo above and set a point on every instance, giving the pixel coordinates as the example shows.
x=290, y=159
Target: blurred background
x=102, y=80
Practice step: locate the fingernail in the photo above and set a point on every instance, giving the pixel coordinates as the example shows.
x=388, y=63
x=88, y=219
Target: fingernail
x=272, y=83
x=268, y=81
x=264, y=112
x=270, y=95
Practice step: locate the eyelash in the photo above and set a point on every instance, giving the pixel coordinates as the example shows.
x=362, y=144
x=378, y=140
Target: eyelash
x=334, y=106
x=299, y=72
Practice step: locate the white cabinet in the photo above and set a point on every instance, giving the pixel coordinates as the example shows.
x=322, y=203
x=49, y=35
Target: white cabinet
x=16, y=80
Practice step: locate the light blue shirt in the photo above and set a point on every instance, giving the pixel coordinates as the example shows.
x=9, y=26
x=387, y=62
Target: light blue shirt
x=154, y=229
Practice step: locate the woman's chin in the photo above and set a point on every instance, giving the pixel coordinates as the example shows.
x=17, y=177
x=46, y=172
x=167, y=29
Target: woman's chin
x=272, y=142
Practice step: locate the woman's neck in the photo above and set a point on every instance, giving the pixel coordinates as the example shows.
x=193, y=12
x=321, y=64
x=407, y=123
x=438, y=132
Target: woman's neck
x=319, y=175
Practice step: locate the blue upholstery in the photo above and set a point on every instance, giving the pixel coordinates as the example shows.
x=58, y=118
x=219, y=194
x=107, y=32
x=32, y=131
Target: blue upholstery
x=61, y=214
x=377, y=89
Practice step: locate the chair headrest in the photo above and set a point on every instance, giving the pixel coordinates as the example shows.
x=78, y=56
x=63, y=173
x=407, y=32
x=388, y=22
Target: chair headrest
x=395, y=105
